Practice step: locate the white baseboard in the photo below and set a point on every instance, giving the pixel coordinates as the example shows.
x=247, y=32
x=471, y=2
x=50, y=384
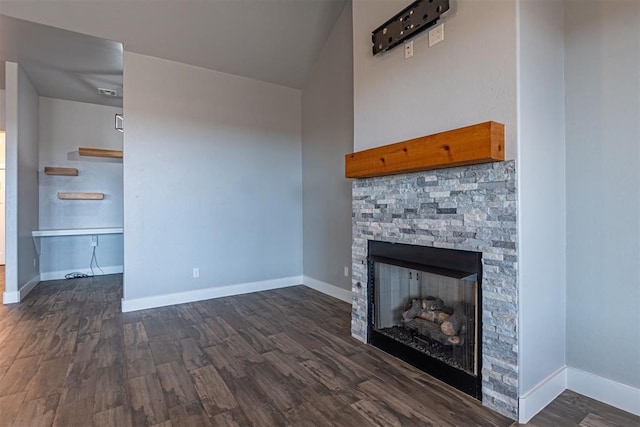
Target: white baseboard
x=58, y=275
x=17, y=296
x=326, y=288
x=605, y=390
x=10, y=297
x=207, y=293
x=541, y=395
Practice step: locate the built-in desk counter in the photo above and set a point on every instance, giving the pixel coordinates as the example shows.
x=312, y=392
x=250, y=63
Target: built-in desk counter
x=36, y=234
x=77, y=232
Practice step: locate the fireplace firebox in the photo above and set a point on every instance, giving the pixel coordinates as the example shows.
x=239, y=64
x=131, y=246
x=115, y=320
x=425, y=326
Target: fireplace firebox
x=425, y=307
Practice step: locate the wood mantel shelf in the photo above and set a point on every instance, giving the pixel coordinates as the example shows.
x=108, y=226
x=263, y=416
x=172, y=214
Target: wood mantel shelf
x=479, y=143
x=99, y=152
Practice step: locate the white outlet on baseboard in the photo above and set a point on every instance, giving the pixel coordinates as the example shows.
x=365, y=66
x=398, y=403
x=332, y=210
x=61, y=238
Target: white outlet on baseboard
x=346, y=272
x=196, y=273
x=94, y=240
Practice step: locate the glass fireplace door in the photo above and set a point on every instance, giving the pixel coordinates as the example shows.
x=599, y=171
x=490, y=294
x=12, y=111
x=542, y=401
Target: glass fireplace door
x=431, y=313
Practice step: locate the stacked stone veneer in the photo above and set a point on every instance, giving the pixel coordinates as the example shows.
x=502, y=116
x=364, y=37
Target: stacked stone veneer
x=470, y=208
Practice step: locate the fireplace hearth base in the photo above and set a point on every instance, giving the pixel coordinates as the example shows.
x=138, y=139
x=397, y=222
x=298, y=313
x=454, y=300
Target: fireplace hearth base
x=434, y=367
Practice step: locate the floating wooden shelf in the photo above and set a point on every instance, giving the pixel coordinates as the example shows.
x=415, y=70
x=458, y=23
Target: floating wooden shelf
x=99, y=152
x=81, y=196
x=480, y=143
x=61, y=171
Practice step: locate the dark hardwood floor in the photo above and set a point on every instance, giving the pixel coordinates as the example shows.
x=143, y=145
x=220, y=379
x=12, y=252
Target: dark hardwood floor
x=571, y=409
x=68, y=357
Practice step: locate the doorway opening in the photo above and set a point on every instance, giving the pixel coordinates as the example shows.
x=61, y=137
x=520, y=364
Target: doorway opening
x=2, y=209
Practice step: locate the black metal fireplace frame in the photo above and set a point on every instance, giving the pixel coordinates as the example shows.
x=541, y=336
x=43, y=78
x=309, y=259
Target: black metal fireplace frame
x=446, y=262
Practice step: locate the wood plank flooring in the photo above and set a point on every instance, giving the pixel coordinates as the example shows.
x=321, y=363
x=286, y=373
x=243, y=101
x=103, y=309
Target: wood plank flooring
x=2, y=281
x=571, y=409
x=68, y=357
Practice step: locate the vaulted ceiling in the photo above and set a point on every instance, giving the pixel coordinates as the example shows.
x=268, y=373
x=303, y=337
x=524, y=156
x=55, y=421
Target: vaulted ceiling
x=63, y=64
x=272, y=40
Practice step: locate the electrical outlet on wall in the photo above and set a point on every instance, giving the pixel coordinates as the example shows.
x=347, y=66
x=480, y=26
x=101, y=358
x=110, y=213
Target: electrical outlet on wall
x=346, y=272
x=436, y=35
x=408, y=49
x=196, y=273
x=94, y=241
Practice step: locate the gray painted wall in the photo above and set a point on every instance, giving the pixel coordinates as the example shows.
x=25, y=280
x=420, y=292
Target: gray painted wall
x=603, y=196
x=65, y=126
x=468, y=78
x=62, y=255
x=22, y=178
x=212, y=179
x=327, y=135
x=541, y=197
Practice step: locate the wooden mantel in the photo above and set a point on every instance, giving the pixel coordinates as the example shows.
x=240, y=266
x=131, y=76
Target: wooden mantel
x=480, y=143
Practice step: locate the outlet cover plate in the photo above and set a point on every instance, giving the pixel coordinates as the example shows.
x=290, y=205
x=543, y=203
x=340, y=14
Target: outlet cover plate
x=408, y=49
x=436, y=35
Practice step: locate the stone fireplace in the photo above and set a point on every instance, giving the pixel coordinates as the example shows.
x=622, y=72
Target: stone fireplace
x=470, y=208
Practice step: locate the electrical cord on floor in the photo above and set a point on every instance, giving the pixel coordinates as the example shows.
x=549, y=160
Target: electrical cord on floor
x=76, y=275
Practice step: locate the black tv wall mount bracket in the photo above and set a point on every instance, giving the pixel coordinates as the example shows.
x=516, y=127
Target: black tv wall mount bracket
x=413, y=19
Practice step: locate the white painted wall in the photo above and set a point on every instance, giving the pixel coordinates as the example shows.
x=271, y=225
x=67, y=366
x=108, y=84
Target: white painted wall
x=2, y=109
x=603, y=191
x=468, y=78
x=65, y=126
x=212, y=179
x=541, y=192
x=2, y=154
x=22, y=182
x=3, y=187
x=2, y=148
x=327, y=135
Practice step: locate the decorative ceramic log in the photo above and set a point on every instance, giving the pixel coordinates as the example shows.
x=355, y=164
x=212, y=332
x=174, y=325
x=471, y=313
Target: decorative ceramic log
x=457, y=340
x=432, y=331
x=434, y=316
x=432, y=304
x=454, y=323
x=414, y=311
